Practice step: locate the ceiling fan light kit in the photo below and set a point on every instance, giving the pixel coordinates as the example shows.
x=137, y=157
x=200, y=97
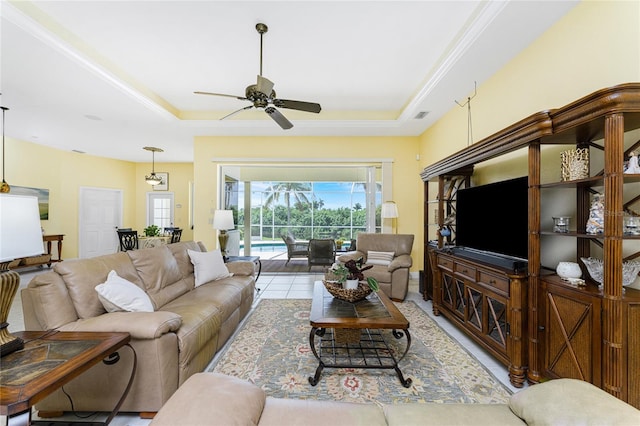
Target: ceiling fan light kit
x=153, y=179
x=262, y=95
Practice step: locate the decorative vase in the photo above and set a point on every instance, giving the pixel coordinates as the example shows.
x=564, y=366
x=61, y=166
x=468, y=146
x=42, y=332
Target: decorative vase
x=568, y=270
x=350, y=284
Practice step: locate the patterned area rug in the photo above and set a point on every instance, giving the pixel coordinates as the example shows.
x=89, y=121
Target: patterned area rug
x=272, y=350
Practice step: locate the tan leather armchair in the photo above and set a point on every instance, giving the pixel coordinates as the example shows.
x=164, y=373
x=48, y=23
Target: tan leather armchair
x=391, y=260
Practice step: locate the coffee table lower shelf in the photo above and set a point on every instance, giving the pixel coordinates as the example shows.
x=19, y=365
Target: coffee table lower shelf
x=371, y=350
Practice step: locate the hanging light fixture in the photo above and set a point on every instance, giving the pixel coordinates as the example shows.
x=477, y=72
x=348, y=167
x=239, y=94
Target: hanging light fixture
x=152, y=179
x=4, y=188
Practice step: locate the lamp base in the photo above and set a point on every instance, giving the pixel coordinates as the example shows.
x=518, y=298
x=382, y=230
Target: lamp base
x=9, y=283
x=223, y=238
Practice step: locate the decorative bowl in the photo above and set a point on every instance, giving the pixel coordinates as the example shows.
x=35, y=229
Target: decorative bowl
x=568, y=270
x=352, y=296
x=630, y=270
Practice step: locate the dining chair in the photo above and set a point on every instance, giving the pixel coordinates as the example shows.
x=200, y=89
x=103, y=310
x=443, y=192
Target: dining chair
x=128, y=240
x=176, y=234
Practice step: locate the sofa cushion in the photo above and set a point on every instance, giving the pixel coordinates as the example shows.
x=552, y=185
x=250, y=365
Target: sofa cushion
x=571, y=402
x=379, y=257
x=209, y=398
x=118, y=294
x=81, y=276
x=282, y=412
x=208, y=266
x=450, y=414
x=179, y=251
x=159, y=271
x=50, y=298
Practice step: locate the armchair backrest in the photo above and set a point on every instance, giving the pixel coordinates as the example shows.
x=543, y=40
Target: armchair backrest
x=396, y=243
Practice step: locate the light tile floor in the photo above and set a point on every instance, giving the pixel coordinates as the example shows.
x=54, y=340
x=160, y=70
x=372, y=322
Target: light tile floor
x=292, y=286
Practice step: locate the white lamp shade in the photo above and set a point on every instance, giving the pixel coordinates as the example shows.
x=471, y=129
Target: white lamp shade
x=20, y=231
x=223, y=220
x=389, y=210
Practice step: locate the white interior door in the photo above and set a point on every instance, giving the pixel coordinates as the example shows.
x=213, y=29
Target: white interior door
x=100, y=215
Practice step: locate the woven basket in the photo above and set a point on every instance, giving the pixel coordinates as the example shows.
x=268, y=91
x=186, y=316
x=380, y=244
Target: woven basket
x=352, y=296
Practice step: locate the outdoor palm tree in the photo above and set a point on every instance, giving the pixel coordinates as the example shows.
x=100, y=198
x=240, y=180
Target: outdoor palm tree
x=297, y=190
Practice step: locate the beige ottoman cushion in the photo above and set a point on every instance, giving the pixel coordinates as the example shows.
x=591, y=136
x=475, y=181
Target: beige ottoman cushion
x=209, y=398
x=451, y=415
x=290, y=412
x=571, y=402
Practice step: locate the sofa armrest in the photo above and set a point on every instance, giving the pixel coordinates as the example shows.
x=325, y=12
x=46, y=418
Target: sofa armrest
x=140, y=325
x=402, y=261
x=243, y=267
x=351, y=255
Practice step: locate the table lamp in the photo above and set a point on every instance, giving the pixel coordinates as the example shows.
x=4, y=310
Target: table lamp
x=389, y=211
x=223, y=221
x=20, y=236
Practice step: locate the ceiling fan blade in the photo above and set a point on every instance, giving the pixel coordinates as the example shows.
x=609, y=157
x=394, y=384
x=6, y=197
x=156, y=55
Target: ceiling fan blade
x=237, y=111
x=278, y=118
x=264, y=85
x=299, y=105
x=242, y=98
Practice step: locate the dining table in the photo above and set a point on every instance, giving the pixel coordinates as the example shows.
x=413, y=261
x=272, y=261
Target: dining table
x=149, y=242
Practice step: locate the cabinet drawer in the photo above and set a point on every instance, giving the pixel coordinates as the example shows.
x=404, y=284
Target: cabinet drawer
x=465, y=270
x=445, y=262
x=499, y=283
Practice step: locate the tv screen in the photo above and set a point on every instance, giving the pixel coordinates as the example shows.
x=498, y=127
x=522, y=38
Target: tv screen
x=494, y=217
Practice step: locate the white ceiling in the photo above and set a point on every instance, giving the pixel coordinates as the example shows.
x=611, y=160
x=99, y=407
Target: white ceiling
x=109, y=77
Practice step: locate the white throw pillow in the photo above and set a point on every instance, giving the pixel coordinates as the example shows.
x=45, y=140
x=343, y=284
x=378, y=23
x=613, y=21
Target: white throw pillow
x=380, y=257
x=208, y=266
x=118, y=294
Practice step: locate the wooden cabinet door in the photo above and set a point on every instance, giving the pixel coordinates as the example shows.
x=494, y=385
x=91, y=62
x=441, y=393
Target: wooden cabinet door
x=572, y=333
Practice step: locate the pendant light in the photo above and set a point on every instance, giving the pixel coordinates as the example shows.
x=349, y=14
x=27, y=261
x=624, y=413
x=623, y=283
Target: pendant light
x=4, y=187
x=152, y=179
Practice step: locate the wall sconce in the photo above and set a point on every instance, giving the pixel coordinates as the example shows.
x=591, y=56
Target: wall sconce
x=389, y=210
x=152, y=179
x=20, y=236
x=223, y=221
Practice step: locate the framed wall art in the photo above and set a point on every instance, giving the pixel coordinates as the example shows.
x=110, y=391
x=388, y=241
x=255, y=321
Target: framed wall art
x=164, y=184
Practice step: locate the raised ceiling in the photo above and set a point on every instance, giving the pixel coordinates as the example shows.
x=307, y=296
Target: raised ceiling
x=109, y=77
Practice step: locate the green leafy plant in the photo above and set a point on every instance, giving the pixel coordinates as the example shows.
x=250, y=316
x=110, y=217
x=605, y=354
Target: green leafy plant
x=152, y=231
x=355, y=272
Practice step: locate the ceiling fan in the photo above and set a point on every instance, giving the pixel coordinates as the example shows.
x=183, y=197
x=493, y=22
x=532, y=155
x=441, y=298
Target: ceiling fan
x=262, y=95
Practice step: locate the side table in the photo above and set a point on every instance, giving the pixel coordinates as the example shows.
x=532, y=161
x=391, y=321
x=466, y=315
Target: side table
x=49, y=360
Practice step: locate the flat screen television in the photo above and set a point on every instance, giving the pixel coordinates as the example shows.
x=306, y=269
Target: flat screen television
x=494, y=217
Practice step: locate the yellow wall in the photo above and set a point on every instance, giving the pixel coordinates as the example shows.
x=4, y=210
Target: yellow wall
x=407, y=186
x=596, y=45
x=63, y=173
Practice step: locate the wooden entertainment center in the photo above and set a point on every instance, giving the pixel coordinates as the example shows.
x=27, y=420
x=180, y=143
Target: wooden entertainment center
x=537, y=324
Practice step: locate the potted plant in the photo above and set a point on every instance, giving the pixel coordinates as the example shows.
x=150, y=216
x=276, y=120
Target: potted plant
x=152, y=231
x=350, y=274
x=339, y=243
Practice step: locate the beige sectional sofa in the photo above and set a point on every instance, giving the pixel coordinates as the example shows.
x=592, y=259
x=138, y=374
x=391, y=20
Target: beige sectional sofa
x=215, y=399
x=393, y=276
x=187, y=327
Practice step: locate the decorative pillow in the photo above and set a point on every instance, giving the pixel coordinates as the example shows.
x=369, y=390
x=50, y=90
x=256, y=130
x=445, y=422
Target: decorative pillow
x=380, y=257
x=208, y=266
x=118, y=294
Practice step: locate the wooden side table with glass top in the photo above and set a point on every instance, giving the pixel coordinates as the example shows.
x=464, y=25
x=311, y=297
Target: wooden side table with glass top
x=49, y=360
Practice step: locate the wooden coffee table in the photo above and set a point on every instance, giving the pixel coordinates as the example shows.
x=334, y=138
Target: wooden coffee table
x=355, y=335
x=49, y=360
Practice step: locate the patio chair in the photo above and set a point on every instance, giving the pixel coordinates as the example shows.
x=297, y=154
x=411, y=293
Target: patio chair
x=321, y=252
x=295, y=248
